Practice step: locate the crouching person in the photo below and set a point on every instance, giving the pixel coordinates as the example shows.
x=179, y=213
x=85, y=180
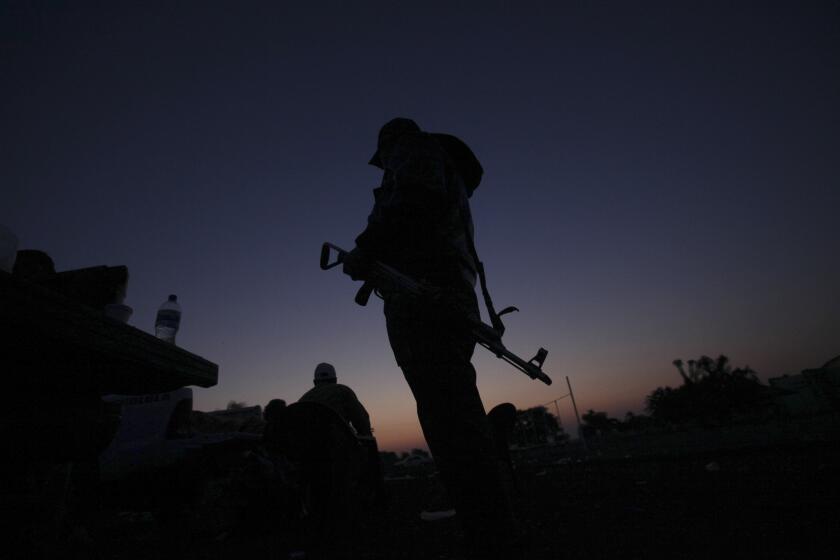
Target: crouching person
x=331, y=441
x=341, y=398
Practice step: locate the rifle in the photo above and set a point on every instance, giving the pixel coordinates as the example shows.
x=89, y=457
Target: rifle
x=383, y=278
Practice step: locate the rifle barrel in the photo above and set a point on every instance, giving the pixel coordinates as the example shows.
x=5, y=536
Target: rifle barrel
x=496, y=347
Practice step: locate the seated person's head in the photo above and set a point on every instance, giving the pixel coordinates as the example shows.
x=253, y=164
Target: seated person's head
x=273, y=410
x=33, y=265
x=324, y=373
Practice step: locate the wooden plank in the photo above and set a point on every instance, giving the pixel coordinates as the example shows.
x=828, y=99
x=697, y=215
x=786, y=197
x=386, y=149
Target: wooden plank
x=49, y=341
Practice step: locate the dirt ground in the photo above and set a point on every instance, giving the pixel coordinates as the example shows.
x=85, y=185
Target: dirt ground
x=758, y=502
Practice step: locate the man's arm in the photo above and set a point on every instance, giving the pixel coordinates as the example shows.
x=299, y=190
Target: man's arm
x=356, y=414
x=383, y=277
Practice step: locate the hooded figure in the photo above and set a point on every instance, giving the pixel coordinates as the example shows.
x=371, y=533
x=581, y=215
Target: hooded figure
x=421, y=214
x=421, y=225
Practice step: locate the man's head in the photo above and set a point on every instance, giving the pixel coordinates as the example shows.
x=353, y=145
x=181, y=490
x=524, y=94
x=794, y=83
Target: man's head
x=324, y=373
x=32, y=265
x=458, y=153
x=274, y=409
x=389, y=134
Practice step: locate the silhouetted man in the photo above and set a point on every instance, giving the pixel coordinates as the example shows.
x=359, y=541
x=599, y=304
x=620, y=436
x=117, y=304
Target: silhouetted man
x=421, y=225
x=341, y=398
x=274, y=431
x=333, y=478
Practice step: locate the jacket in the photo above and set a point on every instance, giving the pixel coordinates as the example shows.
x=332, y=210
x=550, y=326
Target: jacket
x=421, y=215
x=343, y=400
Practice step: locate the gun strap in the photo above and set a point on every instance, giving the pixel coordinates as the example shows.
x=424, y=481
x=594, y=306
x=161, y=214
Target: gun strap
x=466, y=219
x=495, y=320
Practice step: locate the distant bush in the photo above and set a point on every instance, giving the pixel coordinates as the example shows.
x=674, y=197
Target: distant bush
x=712, y=393
x=536, y=426
x=236, y=405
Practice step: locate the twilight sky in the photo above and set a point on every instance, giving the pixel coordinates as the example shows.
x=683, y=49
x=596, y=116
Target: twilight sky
x=661, y=178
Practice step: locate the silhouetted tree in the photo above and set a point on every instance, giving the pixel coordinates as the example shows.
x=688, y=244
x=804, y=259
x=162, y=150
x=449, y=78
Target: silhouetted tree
x=536, y=426
x=679, y=365
x=711, y=393
x=635, y=422
x=598, y=422
x=667, y=405
x=388, y=459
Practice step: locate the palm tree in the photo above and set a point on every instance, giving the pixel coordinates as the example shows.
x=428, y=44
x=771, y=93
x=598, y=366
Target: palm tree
x=679, y=365
x=692, y=370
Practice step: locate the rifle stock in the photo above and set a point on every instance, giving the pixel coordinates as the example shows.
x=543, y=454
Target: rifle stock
x=384, y=278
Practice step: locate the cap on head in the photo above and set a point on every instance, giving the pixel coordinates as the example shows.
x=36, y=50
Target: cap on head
x=324, y=373
x=389, y=133
x=459, y=154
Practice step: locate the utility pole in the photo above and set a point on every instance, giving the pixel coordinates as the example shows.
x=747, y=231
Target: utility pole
x=577, y=416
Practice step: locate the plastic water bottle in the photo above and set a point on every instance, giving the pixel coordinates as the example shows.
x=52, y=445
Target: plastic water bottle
x=168, y=319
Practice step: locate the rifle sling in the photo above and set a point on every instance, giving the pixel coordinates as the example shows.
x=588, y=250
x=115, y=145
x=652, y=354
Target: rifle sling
x=488, y=301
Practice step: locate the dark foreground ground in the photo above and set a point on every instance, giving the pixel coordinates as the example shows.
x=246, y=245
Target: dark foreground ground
x=756, y=502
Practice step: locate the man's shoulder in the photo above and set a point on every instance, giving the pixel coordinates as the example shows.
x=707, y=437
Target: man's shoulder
x=418, y=144
x=327, y=388
x=307, y=395
x=339, y=388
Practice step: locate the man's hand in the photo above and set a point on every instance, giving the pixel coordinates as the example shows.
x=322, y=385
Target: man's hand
x=356, y=264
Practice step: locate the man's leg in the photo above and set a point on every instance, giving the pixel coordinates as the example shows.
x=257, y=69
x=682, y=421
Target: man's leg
x=436, y=363
x=458, y=435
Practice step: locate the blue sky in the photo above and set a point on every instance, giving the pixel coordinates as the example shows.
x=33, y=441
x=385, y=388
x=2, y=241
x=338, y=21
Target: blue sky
x=661, y=180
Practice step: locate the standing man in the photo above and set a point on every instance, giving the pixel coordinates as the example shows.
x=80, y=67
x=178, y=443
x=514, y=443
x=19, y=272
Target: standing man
x=421, y=225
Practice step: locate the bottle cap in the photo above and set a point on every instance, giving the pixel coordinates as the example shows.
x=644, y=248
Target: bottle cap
x=173, y=297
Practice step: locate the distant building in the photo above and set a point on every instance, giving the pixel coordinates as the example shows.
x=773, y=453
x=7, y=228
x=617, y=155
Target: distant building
x=812, y=392
x=238, y=413
x=240, y=419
